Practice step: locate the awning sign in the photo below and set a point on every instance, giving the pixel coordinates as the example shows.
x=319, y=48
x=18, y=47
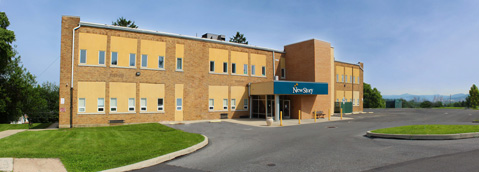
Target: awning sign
x=303, y=88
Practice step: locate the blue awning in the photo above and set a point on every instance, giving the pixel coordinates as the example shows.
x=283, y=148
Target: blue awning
x=289, y=88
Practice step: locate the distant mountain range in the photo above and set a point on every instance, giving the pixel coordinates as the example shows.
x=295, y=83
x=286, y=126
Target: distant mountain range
x=433, y=98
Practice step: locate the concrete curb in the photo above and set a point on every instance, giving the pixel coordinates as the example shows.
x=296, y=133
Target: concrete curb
x=160, y=159
x=424, y=136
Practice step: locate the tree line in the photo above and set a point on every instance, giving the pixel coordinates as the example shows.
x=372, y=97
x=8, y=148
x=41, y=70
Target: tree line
x=20, y=94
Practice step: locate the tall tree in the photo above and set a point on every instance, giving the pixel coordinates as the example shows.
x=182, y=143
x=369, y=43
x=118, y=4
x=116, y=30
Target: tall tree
x=239, y=38
x=372, y=97
x=473, y=98
x=6, y=39
x=124, y=22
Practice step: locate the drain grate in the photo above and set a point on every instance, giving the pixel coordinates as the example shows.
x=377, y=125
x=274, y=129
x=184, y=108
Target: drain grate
x=271, y=164
x=332, y=127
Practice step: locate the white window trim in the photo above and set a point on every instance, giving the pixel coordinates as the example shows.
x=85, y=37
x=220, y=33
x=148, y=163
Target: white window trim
x=224, y=67
x=245, y=69
x=134, y=102
x=84, y=107
x=98, y=105
x=104, y=58
x=180, y=107
x=162, y=106
x=182, y=64
x=129, y=60
x=111, y=58
x=233, y=104
x=211, y=108
x=163, y=62
x=225, y=106
x=146, y=104
x=116, y=108
x=141, y=61
x=245, y=104
x=86, y=57
x=212, y=65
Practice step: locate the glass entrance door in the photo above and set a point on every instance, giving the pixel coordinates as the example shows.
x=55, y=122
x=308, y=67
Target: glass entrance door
x=270, y=108
x=286, y=109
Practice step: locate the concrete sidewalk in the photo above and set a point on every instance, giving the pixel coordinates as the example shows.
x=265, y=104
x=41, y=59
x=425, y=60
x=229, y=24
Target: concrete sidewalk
x=7, y=133
x=31, y=164
x=286, y=122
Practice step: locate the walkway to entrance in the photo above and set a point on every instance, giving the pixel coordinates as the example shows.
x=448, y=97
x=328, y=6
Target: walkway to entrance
x=286, y=122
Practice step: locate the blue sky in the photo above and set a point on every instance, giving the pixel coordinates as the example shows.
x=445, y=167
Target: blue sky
x=407, y=46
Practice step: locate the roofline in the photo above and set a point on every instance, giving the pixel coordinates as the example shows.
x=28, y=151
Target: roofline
x=350, y=64
x=105, y=26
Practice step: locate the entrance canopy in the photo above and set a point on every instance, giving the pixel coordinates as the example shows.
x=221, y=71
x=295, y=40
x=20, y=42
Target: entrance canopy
x=289, y=88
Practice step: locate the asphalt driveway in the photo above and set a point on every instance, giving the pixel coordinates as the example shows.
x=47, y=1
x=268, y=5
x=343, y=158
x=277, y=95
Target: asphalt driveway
x=329, y=146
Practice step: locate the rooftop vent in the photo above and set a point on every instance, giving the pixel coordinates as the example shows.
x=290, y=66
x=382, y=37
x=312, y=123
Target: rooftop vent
x=214, y=36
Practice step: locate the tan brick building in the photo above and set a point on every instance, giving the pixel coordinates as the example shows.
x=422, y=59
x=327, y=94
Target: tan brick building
x=111, y=74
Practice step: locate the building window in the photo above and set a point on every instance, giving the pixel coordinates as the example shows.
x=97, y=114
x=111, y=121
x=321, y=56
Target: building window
x=82, y=56
x=161, y=62
x=233, y=104
x=211, y=104
x=81, y=105
x=113, y=104
x=346, y=79
x=179, y=104
x=160, y=104
x=342, y=78
x=337, y=100
x=233, y=68
x=263, y=70
x=143, y=104
x=245, y=69
x=212, y=66
x=353, y=79
x=144, y=60
x=225, y=67
x=179, y=63
x=253, y=70
x=337, y=77
x=114, y=58
x=101, y=104
x=132, y=59
x=101, y=57
x=357, y=101
x=245, y=104
x=358, y=80
x=283, y=73
x=225, y=104
x=131, y=104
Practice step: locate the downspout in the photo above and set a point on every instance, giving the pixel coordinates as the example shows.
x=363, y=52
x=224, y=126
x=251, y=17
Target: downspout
x=274, y=67
x=71, y=84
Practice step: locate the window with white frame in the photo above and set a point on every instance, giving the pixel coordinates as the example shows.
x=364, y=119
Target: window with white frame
x=253, y=70
x=263, y=70
x=245, y=104
x=160, y=104
x=225, y=67
x=161, y=62
x=101, y=57
x=131, y=104
x=233, y=104
x=225, y=104
x=114, y=58
x=283, y=73
x=211, y=104
x=81, y=105
x=337, y=77
x=82, y=56
x=179, y=104
x=132, y=59
x=245, y=69
x=144, y=60
x=346, y=79
x=143, y=104
x=113, y=104
x=179, y=63
x=101, y=104
x=212, y=66
x=233, y=67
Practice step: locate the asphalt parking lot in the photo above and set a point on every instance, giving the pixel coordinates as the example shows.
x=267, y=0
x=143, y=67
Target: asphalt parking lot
x=331, y=146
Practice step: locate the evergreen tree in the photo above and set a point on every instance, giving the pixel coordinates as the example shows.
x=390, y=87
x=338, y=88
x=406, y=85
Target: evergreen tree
x=124, y=22
x=473, y=98
x=239, y=38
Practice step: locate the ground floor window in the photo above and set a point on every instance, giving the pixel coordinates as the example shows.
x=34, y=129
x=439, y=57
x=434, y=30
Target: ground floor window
x=131, y=104
x=160, y=104
x=211, y=104
x=225, y=104
x=101, y=104
x=143, y=104
x=179, y=104
x=113, y=104
x=81, y=105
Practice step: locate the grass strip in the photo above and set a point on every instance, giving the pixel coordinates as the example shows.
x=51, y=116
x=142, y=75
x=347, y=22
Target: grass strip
x=4, y=127
x=429, y=129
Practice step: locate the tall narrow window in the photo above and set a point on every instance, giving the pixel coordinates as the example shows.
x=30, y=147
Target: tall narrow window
x=132, y=59
x=179, y=63
x=101, y=57
x=81, y=105
x=342, y=78
x=351, y=79
x=114, y=58
x=179, y=104
x=263, y=70
x=161, y=62
x=82, y=56
x=233, y=67
x=225, y=104
x=211, y=104
x=245, y=104
x=225, y=67
x=245, y=69
x=337, y=77
x=253, y=70
x=283, y=73
x=233, y=104
x=131, y=104
x=101, y=104
x=113, y=104
x=346, y=79
x=160, y=104
x=144, y=60
x=143, y=104
x=212, y=66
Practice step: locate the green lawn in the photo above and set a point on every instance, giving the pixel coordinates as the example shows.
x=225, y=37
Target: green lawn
x=4, y=127
x=429, y=129
x=98, y=148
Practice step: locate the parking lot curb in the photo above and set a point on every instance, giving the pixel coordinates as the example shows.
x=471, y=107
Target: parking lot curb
x=160, y=159
x=423, y=136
